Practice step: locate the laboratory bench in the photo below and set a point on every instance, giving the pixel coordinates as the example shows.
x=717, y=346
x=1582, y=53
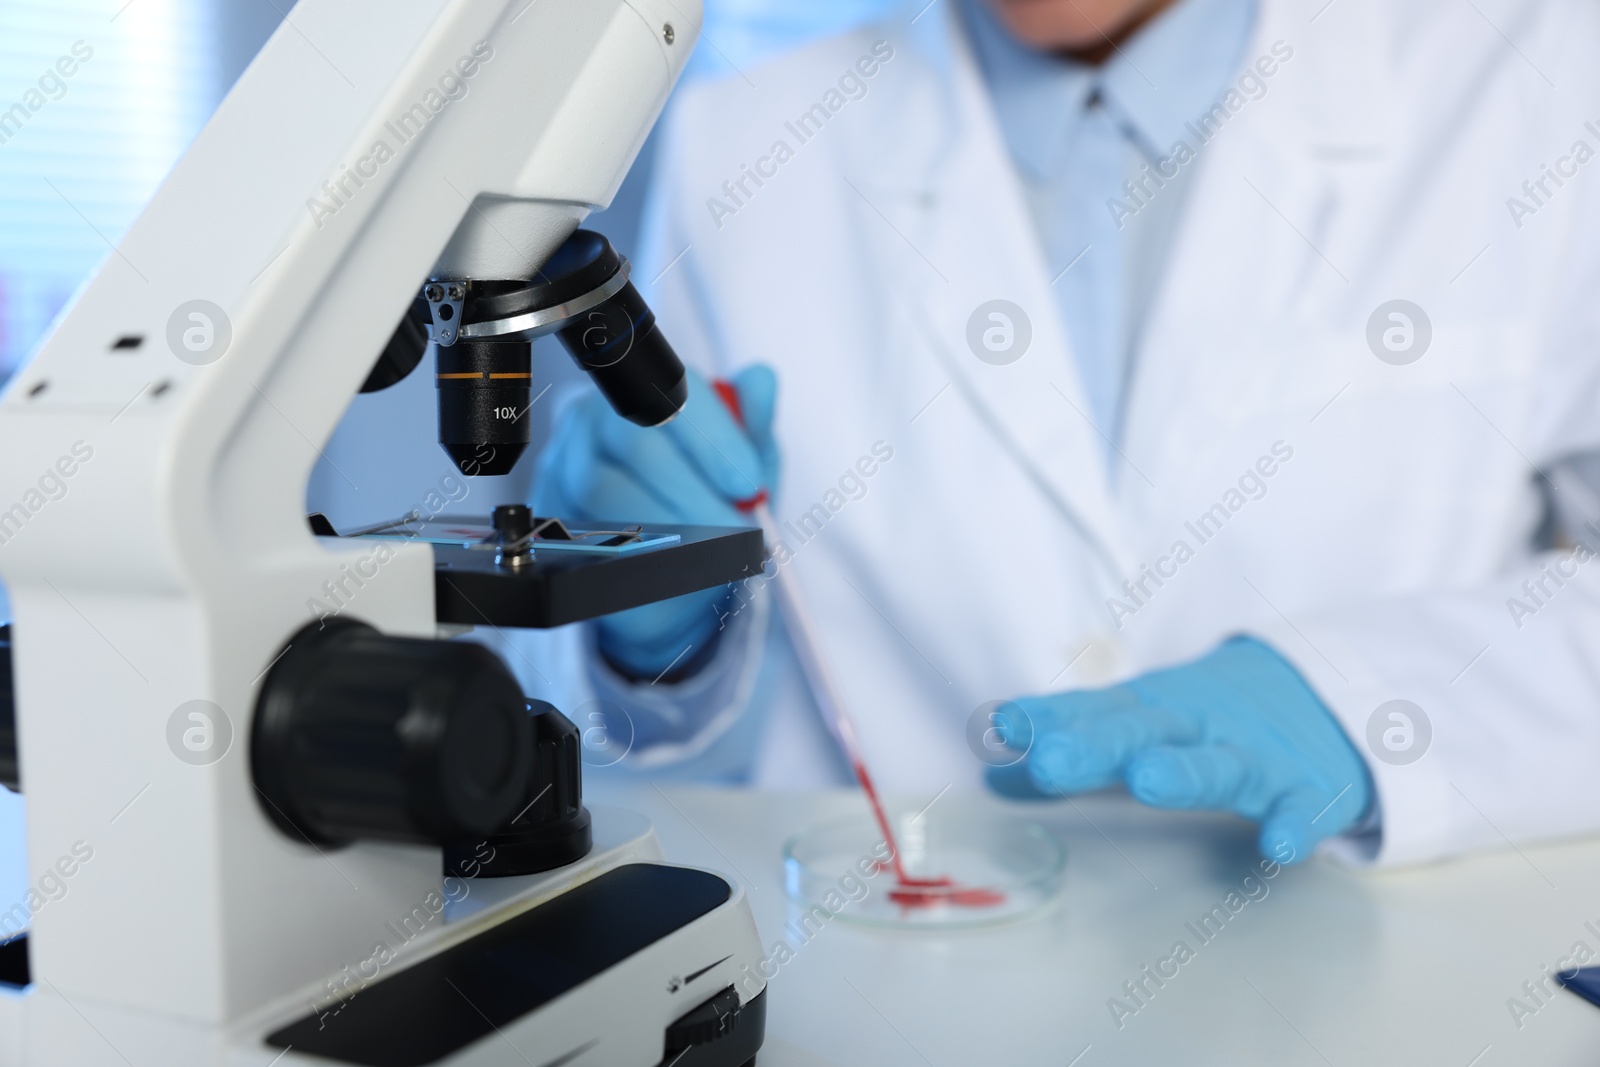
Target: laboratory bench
x=1319, y=964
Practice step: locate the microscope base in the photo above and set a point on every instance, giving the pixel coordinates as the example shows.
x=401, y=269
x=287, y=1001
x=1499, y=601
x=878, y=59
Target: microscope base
x=618, y=960
x=599, y=962
x=615, y=970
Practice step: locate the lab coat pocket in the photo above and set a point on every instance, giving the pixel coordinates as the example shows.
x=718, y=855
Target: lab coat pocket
x=1415, y=468
x=1403, y=349
x=1401, y=352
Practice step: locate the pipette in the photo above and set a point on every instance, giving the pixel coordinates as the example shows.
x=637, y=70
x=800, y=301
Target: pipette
x=909, y=891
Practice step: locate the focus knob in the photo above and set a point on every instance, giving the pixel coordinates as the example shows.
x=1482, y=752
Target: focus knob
x=715, y=1019
x=551, y=826
x=360, y=735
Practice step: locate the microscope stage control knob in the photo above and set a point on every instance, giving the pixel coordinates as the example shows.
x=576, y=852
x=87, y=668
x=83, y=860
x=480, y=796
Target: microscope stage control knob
x=358, y=734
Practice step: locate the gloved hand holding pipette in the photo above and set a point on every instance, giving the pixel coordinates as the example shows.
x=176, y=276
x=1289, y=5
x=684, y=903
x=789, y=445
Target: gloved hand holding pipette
x=693, y=470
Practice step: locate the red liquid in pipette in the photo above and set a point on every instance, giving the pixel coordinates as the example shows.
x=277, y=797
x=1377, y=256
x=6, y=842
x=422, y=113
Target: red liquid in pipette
x=912, y=892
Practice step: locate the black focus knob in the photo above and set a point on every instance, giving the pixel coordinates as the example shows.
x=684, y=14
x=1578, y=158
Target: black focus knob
x=360, y=735
x=551, y=826
x=711, y=1021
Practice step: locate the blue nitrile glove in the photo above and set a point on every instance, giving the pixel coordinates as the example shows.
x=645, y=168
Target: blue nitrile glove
x=1237, y=729
x=600, y=467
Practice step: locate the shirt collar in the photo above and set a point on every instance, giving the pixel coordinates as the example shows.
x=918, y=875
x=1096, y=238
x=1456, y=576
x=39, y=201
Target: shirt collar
x=1173, y=70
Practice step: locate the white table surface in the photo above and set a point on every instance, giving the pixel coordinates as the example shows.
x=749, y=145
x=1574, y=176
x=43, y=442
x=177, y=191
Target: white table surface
x=1333, y=966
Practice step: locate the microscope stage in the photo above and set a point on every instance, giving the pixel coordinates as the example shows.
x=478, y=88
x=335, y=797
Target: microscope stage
x=569, y=581
x=561, y=586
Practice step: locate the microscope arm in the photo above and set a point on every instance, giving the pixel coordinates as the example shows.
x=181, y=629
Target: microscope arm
x=373, y=145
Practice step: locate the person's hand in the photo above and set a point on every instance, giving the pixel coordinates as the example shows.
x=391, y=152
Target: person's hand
x=1237, y=730
x=601, y=468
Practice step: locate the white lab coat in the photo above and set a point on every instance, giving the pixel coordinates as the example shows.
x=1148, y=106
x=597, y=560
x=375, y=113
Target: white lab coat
x=982, y=559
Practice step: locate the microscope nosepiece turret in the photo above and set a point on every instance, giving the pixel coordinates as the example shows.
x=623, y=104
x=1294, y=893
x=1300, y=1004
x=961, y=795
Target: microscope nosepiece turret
x=483, y=329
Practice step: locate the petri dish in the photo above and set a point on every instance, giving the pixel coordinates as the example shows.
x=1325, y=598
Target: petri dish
x=963, y=869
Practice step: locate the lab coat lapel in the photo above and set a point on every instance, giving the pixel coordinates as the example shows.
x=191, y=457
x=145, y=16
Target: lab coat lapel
x=952, y=195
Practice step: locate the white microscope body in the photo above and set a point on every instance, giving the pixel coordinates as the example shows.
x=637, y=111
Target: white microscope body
x=154, y=542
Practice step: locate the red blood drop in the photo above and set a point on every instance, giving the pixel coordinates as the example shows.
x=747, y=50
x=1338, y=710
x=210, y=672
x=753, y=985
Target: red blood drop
x=912, y=892
x=955, y=895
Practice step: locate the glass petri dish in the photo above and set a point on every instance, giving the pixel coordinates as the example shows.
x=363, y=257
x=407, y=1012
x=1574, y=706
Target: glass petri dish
x=999, y=868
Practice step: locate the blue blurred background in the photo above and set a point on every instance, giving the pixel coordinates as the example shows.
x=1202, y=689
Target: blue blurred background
x=76, y=173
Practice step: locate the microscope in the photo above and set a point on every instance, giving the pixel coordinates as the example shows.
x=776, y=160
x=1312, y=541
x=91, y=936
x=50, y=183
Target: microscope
x=260, y=834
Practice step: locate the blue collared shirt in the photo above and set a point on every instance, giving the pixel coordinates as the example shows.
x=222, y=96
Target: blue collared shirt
x=1085, y=141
